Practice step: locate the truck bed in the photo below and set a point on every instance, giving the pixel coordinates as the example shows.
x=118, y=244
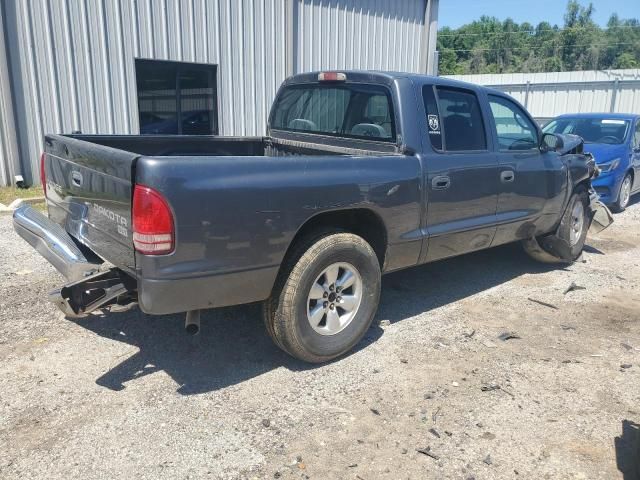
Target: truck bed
x=90, y=180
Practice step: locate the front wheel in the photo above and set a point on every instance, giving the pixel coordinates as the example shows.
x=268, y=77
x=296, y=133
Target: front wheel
x=325, y=299
x=566, y=243
x=624, y=195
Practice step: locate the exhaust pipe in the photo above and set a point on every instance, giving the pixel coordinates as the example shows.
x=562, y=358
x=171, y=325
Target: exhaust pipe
x=192, y=322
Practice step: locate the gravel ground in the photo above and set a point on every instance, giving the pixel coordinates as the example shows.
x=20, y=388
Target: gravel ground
x=123, y=395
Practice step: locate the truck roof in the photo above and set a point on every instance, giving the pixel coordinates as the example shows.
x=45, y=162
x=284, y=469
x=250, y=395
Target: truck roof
x=383, y=77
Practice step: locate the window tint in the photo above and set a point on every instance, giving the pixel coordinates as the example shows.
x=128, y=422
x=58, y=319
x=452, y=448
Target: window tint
x=176, y=98
x=513, y=128
x=357, y=111
x=636, y=142
x=433, y=117
x=461, y=120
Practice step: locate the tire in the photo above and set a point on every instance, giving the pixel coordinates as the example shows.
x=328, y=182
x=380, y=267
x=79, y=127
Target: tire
x=624, y=194
x=328, y=325
x=566, y=243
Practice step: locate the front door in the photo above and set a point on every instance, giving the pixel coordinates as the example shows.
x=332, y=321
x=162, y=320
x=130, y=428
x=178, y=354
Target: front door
x=461, y=178
x=530, y=182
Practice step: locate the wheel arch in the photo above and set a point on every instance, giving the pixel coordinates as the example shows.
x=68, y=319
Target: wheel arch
x=363, y=222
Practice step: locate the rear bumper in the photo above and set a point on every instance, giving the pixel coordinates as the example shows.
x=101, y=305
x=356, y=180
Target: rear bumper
x=166, y=296
x=52, y=242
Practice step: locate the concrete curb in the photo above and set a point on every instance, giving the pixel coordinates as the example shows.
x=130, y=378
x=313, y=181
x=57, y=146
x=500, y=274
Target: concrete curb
x=8, y=210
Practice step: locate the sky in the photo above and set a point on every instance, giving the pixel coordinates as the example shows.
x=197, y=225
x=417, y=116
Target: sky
x=454, y=13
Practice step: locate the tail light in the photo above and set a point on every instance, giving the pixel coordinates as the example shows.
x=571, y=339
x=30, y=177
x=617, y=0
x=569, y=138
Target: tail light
x=152, y=220
x=43, y=175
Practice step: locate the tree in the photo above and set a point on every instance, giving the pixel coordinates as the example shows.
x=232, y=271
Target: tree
x=489, y=45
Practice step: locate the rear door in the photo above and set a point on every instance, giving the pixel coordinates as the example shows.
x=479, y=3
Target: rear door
x=528, y=178
x=89, y=194
x=461, y=176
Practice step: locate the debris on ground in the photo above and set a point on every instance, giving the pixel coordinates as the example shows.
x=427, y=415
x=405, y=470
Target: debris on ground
x=626, y=365
x=375, y=411
x=427, y=451
x=434, y=417
x=574, y=286
x=509, y=336
x=488, y=460
x=470, y=334
x=434, y=432
x=266, y=422
x=494, y=386
x=404, y=360
x=567, y=327
x=626, y=346
x=384, y=323
x=540, y=302
x=490, y=387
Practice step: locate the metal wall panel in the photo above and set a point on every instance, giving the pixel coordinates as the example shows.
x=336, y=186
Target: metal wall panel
x=72, y=62
x=72, y=67
x=549, y=94
x=9, y=164
x=360, y=34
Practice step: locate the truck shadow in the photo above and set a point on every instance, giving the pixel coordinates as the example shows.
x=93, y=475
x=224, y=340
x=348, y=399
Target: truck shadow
x=233, y=345
x=627, y=447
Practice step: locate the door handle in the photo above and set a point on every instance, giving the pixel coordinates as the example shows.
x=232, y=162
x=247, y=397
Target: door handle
x=76, y=178
x=440, y=182
x=507, y=176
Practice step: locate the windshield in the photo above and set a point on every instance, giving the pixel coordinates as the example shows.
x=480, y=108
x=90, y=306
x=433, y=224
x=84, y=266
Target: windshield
x=592, y=130
x=350, y=110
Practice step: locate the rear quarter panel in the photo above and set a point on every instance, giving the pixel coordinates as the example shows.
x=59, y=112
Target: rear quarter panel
x=241, y=213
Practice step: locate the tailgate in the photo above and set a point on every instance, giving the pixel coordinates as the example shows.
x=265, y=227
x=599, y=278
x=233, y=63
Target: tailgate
x=89, y=190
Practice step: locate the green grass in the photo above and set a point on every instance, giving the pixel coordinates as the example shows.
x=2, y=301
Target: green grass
x=9, y=194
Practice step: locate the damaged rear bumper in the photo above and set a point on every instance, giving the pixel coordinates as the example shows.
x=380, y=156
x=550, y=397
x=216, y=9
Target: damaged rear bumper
x=89, y=287
x=52, y=242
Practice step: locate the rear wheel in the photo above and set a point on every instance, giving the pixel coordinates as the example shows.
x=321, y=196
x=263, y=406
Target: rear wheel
x=624, y=195
x=326, y=297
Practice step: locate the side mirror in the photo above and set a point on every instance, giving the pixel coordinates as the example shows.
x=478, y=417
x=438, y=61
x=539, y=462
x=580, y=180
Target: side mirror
x=551, y=143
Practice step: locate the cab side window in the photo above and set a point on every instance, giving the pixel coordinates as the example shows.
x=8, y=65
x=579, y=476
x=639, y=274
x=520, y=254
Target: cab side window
x=636, y=137
x=514, y=130
x=454, y=119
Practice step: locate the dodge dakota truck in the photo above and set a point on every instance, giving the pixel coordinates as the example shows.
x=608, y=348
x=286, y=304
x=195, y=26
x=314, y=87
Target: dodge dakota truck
x=359, y=174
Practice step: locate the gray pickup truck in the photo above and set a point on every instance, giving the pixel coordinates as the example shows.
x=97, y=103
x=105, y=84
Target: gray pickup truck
x=359, y=174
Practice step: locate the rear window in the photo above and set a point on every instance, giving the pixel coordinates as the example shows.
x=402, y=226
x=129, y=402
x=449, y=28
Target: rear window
x=355, y=111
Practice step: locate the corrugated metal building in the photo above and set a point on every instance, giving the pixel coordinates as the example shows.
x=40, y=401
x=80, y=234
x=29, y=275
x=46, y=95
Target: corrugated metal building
x=549, y=94
x=182, y=66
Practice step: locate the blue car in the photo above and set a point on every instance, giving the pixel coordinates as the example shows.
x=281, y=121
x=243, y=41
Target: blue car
x=614, y=141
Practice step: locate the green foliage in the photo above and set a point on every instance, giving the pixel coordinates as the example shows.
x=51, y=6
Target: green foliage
x=489, y=45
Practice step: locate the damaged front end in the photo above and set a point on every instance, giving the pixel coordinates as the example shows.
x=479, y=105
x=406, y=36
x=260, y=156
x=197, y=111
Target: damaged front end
x=556, y=247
